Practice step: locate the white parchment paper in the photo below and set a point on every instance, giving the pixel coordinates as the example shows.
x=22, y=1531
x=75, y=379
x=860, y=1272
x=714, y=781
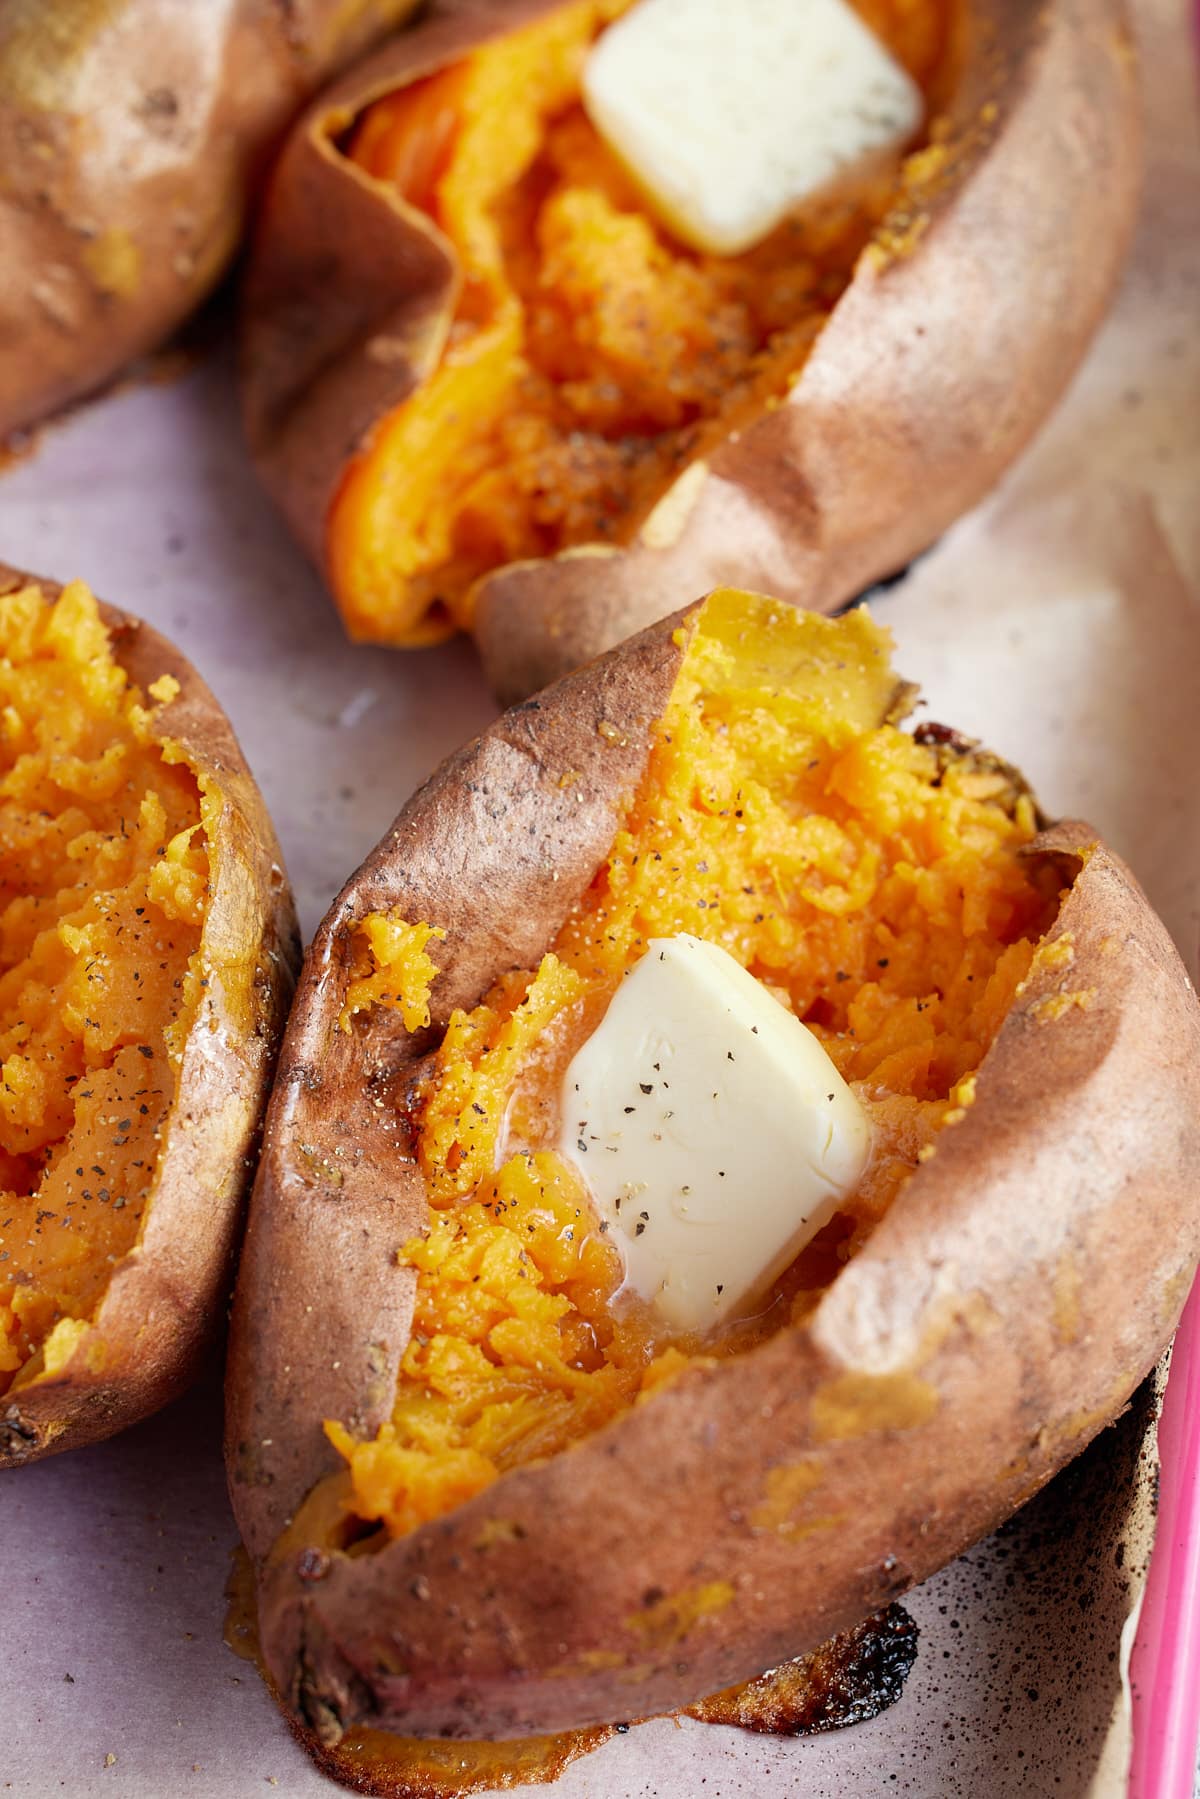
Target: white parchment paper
x=1061, y=623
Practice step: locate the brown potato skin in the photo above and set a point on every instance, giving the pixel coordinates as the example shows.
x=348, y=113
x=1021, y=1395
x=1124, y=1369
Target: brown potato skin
x=934, y=369
x=130, y=133
x=999, y=1316
x=165, y=1299
x=323, y=1232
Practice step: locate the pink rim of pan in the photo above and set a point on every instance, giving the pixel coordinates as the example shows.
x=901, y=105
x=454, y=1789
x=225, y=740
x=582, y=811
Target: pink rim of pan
x=1164, y=1669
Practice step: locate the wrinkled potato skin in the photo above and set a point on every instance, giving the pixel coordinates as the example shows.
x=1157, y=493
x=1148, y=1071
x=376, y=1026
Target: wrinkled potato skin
x=933, y=370
x=130, y=133
x=165, y=1299
x=974, y=1345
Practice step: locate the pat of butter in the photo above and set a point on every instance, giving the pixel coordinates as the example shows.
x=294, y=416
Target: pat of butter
x=712, y=1129
x=730, y=113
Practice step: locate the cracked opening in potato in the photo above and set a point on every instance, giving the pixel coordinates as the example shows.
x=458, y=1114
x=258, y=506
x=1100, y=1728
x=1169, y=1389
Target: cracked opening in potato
x=103, y=888
x=869, y=879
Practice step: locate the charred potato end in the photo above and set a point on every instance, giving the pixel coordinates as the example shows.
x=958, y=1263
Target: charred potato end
x=150, y=949
x=487, y=1493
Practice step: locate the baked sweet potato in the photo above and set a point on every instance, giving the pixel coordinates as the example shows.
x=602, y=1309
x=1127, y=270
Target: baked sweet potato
x=490, y=395
x=130, y=134
x=149, y=949
x=487, y=1493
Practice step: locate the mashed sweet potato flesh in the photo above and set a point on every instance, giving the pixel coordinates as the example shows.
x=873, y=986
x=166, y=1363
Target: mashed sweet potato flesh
x=103, y=887
x=591, y=357
x=872, y=881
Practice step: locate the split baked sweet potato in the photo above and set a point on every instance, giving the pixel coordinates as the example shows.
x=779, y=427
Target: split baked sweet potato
x=147, y=952
x=491, y=394
x=130, y=134
x=488, y=1491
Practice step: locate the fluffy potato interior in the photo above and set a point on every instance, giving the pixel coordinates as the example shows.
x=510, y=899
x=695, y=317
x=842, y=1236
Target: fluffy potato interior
x=591, y=356
x=103, y=888
x=871, y=880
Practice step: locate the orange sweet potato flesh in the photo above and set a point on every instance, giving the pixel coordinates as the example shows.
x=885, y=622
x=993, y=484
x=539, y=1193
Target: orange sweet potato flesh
x=490, y=395
x=106, y=878
x=590, y=357
x=995, y=1316
x=147, y=947
x=873, y=882
x=131, y=135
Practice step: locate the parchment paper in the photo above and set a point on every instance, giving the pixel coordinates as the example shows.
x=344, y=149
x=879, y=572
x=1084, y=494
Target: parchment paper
x=1062, y=624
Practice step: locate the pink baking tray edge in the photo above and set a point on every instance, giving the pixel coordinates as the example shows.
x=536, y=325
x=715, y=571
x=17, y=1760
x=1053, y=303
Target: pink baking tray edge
x=1164, y=1669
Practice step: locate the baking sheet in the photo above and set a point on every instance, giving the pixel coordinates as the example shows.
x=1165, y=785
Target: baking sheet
x=1062, y=623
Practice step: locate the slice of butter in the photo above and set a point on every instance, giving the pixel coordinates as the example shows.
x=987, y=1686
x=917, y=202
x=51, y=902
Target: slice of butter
x=712, y=1129
x=729, y=114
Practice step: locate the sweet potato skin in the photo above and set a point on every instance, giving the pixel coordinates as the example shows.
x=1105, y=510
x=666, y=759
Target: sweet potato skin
x=502, y=820
x=958, y=332
x=977, y=1342
x=130, y=135
x=164, y=1301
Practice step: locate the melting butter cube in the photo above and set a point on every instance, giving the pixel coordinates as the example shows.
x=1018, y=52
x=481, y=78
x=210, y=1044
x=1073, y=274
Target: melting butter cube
x=730, y=113
x=715, y=1134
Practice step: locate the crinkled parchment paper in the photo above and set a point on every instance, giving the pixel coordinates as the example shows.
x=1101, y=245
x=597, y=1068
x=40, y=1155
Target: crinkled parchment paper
x=1062, y=624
